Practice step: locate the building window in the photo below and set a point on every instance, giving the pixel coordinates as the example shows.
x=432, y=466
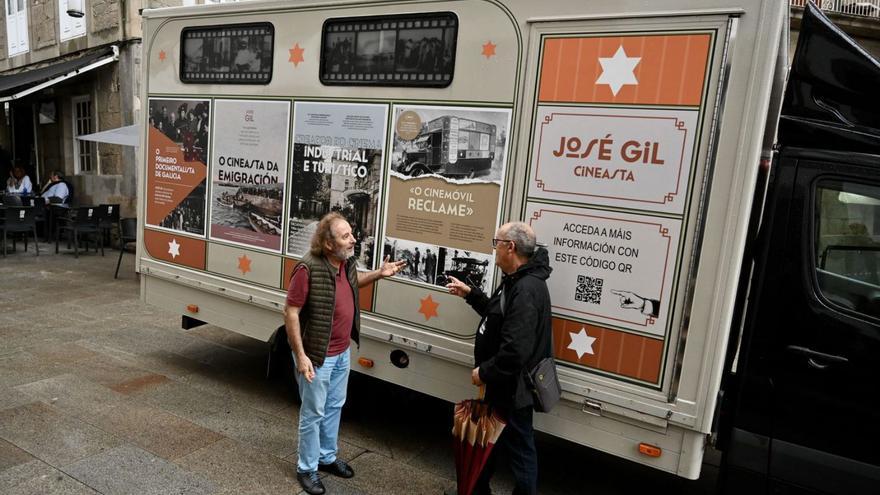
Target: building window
x=85, y=158
x=17, y=27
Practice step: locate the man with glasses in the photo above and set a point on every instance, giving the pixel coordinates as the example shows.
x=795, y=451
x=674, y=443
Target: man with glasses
x=514, y=335
x=321, y=317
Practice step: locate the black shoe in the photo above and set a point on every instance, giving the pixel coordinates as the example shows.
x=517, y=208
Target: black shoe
x=337, y=468
x=310, y=483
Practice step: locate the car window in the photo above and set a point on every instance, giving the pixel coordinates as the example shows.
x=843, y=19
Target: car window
x=848, y=245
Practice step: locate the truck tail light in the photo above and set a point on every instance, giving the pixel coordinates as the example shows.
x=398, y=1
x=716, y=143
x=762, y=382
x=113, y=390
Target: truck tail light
x=365, y=362
x=650, y=450
x=192, y=308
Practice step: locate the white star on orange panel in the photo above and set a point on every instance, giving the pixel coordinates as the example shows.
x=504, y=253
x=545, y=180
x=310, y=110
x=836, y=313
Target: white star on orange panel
x=617, y=71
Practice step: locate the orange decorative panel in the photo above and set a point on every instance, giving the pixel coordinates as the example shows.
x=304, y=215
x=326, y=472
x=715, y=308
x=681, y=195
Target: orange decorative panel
x=613, y=351
x=650, y=70
x=175, y=248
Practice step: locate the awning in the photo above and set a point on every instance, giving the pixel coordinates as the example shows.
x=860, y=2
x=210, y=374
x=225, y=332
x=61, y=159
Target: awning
x=126, y=136
x=14, y=86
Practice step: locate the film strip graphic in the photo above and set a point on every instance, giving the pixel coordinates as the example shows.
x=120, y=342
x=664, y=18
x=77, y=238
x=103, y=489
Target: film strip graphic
x=228, y=54
x=411, y=50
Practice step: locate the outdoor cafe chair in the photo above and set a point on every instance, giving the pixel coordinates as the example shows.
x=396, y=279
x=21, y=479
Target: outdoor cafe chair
x=80, y=221
x=19, y=220
x=39, y=205
x=108, y=218
x=127, y=234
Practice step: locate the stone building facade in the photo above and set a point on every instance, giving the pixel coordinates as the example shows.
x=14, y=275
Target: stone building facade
x=62, y=76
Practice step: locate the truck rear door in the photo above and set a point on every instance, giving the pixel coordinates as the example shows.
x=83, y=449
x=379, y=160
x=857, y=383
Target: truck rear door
x=806, y=420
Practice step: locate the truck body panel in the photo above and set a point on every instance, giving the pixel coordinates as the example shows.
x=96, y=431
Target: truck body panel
x=628, y=134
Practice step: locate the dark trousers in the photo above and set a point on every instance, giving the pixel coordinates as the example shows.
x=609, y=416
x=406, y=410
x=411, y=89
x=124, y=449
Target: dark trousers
x=518, y=442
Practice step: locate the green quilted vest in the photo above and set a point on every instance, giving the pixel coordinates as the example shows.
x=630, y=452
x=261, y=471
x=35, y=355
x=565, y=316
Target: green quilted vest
x=316, y=317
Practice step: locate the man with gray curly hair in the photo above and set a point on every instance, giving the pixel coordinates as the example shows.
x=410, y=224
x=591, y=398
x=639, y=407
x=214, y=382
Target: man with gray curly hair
x=321, y=317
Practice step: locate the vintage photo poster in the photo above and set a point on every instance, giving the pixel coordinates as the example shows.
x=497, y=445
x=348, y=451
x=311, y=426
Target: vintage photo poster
x=177, y=157
x=609, y=268
x=433, y=265
x=248, y=171
x=617, y=157
x=338, y=151
x=444, y=189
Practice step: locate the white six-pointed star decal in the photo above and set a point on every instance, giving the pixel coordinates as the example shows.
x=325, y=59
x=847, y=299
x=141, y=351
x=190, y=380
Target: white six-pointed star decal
x=173, y=248
x=618, y=70
x=581, y=343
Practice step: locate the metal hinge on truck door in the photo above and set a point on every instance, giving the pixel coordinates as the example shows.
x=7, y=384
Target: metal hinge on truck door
x=624, y=415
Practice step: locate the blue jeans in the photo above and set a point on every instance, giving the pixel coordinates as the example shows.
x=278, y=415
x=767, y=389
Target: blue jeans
x=320, y=411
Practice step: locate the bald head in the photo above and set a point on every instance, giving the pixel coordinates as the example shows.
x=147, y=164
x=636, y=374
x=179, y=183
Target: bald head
x=522, y=235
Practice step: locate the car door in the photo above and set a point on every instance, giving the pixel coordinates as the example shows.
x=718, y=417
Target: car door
x=824, y=319
x=819, y=316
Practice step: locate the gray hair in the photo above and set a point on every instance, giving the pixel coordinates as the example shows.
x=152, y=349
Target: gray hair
x=523, y=238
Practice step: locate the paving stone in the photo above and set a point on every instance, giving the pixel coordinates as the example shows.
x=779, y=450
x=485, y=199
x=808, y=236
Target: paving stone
x=11, y=456
x=378, y=474
x=68, y=353
x=24, y=367
x=157, y=431
x=9, y=398
x=254, y=428
x=51, y=436
x=248, y=387
x=136, y=385
x=240, y=469
x=106, y=370
x=20, y=473
x=52, y=483
x=72, y=395
x=130, y=470
x=182, y=400
x=161, y=362
x=336, y=486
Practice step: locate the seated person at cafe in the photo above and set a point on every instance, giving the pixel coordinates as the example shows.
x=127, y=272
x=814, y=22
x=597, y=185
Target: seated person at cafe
x=19, y=182
x=56, y=188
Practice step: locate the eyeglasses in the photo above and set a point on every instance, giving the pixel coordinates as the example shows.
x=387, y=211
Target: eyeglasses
x=496, y=241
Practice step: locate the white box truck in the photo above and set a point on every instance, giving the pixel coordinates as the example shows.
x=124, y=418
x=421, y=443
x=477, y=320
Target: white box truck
x=707, y=287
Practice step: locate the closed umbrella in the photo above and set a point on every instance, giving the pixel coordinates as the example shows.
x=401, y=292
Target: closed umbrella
x=476, y=427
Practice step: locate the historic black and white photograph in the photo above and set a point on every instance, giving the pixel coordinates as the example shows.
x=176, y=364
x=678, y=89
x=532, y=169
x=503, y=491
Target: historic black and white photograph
x=433, y=265
x=337, y=166
x=232, y=54
x=455, y=143
x=339, y=53
x=186, y=122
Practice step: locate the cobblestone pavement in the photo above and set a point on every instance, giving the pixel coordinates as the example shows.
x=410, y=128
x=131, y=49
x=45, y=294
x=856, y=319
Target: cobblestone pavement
x=100, y=393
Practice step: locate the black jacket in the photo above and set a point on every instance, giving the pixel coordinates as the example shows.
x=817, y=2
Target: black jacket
x=513, y=340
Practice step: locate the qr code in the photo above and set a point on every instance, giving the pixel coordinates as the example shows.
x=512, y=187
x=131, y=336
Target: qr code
x=589, y=289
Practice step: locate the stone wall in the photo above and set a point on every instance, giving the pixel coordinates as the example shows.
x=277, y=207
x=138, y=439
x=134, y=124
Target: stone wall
x=42, y=21
x=105, y=15
x=109, y=113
